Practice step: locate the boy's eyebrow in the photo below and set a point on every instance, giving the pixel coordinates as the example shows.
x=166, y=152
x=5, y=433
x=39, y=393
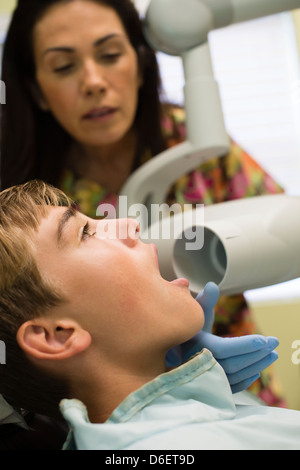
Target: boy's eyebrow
x=67, y=215
x=98, y=42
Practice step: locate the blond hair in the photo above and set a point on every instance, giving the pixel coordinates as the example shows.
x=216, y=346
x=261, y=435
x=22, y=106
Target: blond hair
x=24, y=294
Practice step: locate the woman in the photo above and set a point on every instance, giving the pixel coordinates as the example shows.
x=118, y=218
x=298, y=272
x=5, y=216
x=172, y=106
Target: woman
x=83, y=112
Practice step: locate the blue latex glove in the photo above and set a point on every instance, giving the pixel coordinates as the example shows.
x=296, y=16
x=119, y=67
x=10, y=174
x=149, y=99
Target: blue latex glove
x=242, y=358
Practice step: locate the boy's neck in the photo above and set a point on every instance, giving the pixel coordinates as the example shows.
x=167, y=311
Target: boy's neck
x=105, y=392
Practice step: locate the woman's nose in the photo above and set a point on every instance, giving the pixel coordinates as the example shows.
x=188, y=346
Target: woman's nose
x=93, y=79
x=125, y=230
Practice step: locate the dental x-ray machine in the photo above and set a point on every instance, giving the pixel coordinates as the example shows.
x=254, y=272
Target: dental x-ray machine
x=249, y=243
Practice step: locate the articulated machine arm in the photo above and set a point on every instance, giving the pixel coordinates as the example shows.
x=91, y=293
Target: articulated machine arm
x=175, y=27
x=181, y=28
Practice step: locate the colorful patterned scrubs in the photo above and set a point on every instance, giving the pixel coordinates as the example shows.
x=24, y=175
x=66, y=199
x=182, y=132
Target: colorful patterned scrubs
x=233, y=176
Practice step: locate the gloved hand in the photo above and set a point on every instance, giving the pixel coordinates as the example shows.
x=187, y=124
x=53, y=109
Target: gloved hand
x=242, y=358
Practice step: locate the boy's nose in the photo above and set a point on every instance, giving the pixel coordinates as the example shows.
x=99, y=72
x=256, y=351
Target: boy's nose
x=125, y=230
x=129, y=231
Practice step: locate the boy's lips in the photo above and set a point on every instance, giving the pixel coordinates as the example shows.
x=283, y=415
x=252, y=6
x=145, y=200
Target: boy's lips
x=182, y=282
x=155, y=251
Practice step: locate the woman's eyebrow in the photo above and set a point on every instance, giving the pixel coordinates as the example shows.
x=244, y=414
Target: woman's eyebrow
x=70, y=50
x=63, y=221
x=100, y=41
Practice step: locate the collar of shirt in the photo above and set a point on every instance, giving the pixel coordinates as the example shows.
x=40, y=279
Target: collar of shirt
x=197, y=391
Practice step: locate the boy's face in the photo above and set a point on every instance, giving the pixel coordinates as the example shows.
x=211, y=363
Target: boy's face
x=113, y=285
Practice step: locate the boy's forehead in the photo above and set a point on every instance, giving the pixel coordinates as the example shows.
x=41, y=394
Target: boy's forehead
x=58, y=227
x=52, y=224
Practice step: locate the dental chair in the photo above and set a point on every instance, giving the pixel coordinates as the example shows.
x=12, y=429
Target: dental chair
x=28, y=431
x=42, y=434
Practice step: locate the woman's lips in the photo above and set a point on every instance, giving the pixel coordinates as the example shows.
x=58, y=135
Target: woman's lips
x=97, y=114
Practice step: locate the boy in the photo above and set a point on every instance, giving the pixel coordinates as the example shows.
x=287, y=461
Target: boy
x=88, y=316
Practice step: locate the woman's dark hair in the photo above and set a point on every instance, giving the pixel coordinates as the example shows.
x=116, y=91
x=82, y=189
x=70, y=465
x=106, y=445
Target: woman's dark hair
x=33, y=145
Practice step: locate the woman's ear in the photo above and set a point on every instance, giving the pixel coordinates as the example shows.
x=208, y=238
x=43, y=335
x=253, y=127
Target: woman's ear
x=48, y=339
x=38, y=96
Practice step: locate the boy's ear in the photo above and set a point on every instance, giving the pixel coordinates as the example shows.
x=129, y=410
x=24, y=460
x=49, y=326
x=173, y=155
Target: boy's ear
x=45, y=338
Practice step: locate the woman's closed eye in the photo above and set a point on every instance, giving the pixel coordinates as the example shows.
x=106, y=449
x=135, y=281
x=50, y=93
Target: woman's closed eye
x=63, y=69
x=104, y=58
x=110, y=57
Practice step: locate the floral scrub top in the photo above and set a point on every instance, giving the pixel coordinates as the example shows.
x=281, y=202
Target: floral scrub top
x=233, y=176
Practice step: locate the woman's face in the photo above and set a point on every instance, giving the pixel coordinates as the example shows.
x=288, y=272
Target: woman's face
x=113, y=285
x=87, y=71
